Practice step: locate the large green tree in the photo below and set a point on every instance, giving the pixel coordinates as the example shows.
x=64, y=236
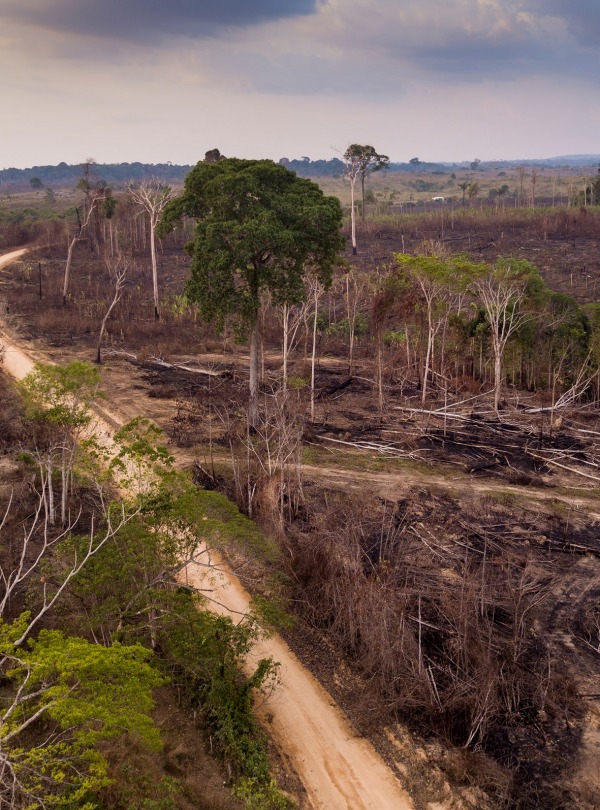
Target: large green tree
x=259, y=229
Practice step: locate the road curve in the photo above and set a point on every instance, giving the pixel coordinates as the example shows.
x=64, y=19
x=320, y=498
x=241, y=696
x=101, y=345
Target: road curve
x=339, y=770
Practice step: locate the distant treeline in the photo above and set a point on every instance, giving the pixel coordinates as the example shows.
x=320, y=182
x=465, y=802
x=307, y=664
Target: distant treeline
x=335, y=167
x=118, y=174
x=114, y=174
x=304, y=167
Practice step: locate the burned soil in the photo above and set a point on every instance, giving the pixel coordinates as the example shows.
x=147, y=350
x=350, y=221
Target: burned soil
x=443, y=563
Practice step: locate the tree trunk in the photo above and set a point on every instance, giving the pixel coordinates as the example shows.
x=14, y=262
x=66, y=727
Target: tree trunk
x=362, y=186
x=430, y=339
x=351, y=317
x=154, y=272
x=119, y=283
x=380, y=402
x=286, y=329
x=65, y=487
x=253, y=401
x=313, y=357
x=68, y=270
x=353, y=215
x=497, y=379
x=50, y=492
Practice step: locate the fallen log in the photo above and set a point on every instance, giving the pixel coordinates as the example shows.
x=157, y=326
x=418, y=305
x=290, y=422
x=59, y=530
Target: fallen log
x=158, y=363
x=207, y=372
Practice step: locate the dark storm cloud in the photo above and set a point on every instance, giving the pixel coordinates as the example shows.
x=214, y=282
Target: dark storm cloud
x=149, y=20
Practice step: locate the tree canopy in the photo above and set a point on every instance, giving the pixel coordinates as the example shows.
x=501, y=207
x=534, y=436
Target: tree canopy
x=259, y=227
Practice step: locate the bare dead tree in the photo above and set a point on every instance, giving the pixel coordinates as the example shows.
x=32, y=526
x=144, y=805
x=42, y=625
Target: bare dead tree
x=315, y=291
x=521, y=172
x=120, y=273
x=292, y=318
x=534, y=179
x=94, y=200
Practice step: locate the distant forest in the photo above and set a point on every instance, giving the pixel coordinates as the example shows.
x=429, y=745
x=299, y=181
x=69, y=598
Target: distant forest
x=118, y=174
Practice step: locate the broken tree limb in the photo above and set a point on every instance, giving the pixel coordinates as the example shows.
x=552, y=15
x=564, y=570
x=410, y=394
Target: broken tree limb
x=547, y=460
x=208, y=372
x=385, y=449
x=159, y=363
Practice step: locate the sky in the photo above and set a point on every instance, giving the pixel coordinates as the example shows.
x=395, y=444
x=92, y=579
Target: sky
x=167, y=80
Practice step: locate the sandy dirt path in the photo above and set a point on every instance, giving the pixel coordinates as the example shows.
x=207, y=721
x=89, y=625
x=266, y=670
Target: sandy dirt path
x=339, y=770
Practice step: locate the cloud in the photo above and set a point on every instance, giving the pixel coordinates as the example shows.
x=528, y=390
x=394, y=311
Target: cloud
x=362, y=49
x=149, y=20
x=467, y=38
x=380, y=48
x=581, y=17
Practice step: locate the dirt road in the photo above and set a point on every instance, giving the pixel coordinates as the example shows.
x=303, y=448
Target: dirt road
x=339, y=770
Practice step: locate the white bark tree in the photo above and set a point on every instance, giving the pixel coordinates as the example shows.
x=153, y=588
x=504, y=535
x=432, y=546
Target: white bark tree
x=502, y=291
x=359, y=161
x=153, y=196
x=438, y=280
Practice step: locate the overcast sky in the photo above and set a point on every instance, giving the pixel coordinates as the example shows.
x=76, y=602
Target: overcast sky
x=166, y=80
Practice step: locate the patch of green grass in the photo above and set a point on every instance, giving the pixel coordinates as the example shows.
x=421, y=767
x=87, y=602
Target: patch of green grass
x=503, y=497
x=368, y=461
x=578, y=492
x=321, y=455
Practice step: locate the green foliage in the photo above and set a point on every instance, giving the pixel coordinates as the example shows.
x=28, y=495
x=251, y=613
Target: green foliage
x=363, y=159
x=508, y=269
x=130, y=590
x=82, y=694
x=62, y=394
x=133, y=576
x=392, y=337
x=203, y=652
x=446, y=273
x=140, y=456
x=78, y=696
x=134, y=789
x=271, y=612
x=207, y=514
x=262, y=795
x=109, y=206
x=344, y=327
x=423, y=185
x=259, y=228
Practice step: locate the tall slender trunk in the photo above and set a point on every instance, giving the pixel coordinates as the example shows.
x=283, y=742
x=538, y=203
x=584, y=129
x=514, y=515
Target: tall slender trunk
x=119, y=284
x=380, y=403
x=253, y=401
x=362, y=186
x=50, y=491
x=313, y=357
x=286, y=330
x=65, y=487
x=497, y=377
x=430, y=337
x=154, y=271
x=353, y=214
x=72, y=244
x=351, y=318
